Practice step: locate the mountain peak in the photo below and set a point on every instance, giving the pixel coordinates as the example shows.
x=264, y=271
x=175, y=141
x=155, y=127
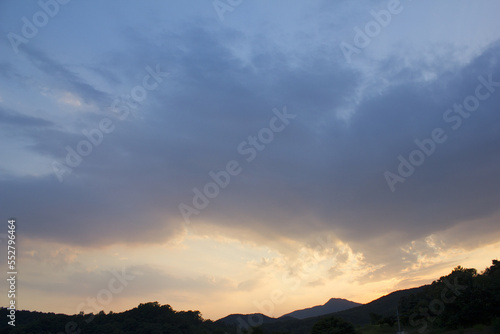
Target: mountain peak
x=331, y=306
x=336, y=300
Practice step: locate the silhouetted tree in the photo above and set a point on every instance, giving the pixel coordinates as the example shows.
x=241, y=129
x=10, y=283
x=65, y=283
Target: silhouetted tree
x=332, y=325
x=461, y=299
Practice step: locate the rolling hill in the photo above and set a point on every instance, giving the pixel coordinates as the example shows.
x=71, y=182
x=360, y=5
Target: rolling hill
x=331, y=306
x=298, y=322
x=359, y=315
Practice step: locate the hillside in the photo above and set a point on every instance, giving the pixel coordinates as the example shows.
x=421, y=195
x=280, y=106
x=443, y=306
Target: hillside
x=246, y=321
x=146, y=318
x=360, y=315
x=385, y=306
x=333, y=305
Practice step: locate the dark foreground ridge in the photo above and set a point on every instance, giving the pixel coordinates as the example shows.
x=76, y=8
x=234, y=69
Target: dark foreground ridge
x=463, y=299
x=331, y=306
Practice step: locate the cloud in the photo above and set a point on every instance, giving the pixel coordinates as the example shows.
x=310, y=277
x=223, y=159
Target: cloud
x=63, y=78
x=19, y=120
x=321, y=167
x=249, y=285
x=322, y=175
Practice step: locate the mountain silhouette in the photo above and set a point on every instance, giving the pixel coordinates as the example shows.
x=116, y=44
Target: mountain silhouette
x=246, y=321
x=469, y=299
x=331, y=306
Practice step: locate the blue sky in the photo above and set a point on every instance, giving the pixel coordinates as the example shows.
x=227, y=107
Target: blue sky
x=150, y=99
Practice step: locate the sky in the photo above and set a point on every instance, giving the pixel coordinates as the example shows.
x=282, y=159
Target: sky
x=246, y=156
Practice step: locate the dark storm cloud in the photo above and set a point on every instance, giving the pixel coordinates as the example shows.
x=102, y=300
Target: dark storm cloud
x=339, y=175
x=320, y=166
x=145, y=168
x=73, y=212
